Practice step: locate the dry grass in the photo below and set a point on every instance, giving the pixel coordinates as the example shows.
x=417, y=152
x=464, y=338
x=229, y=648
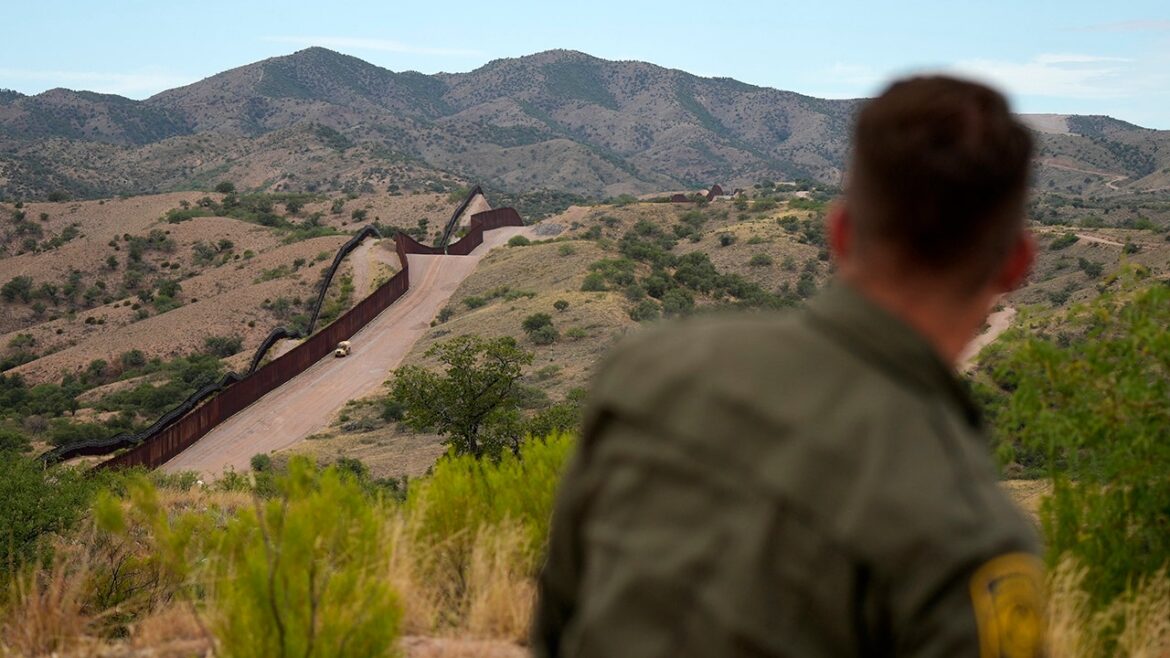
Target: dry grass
x=500, y=592
x=45, y=612
x=1076, y=630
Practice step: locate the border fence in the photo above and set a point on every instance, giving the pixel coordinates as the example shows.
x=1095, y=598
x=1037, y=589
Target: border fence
x=181, y=427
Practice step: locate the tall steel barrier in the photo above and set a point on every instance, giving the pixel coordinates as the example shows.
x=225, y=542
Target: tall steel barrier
x=214, y=404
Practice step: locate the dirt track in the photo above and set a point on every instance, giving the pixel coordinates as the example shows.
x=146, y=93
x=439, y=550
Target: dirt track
x=306, y=404
x=997, y=323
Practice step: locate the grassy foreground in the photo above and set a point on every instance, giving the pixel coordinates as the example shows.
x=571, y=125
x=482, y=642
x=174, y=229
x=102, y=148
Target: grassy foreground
x=324, y=562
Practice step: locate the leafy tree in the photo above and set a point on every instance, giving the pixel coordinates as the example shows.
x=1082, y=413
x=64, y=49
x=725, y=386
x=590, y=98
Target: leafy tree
x=225, y=187
x=473, y=402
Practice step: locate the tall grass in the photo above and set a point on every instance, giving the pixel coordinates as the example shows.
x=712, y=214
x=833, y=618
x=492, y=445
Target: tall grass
x=317, y=563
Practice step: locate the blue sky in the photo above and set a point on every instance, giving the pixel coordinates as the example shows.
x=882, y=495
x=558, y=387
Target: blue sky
x=1064, y=57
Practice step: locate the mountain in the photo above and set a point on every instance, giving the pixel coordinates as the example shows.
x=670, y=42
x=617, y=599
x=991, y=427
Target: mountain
x=562, y=120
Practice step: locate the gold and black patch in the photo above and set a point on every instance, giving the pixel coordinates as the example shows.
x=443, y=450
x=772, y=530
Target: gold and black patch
x=1009, y=600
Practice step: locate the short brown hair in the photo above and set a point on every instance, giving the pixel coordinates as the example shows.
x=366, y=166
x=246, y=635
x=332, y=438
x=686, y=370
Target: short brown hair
x=939, y=175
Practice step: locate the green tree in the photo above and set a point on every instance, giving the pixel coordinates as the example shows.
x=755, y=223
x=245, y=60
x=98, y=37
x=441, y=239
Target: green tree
x=225, y=187
x=473, y=402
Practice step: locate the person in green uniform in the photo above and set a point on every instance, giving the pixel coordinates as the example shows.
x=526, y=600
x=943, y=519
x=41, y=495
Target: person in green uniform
x=819, y=483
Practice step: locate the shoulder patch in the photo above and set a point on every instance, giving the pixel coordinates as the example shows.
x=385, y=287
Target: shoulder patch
x=1008, y=596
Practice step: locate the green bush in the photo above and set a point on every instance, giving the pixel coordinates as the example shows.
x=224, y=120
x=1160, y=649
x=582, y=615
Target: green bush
x=1091, y=410
x=1063, y=241
x=645, y=311
x=561, y=305
x=34, y=502
x=12, y=441
x=18, y=288
x=519, y=241
x=593, y=282
x=545, y=335
x=536, y=321
x=760, y=260
x=464, y=494
x=223, y=346
x=301, y=573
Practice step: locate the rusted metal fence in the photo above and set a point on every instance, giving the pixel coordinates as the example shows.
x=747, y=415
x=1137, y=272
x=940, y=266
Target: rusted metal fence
x=159, y=447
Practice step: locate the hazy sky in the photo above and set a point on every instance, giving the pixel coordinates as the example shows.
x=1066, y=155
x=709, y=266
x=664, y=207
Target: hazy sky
x=1071, y=56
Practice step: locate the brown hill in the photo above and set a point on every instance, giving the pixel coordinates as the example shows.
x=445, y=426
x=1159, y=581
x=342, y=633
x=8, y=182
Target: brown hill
x=562, y=120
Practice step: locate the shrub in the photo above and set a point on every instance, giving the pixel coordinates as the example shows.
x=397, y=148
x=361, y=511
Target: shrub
x=536, y=321
x=261, y=462
x=1090, y=413
x=223, y=346
x=726, y=239
x=474, y=301
x=561, y=305
x=1090, y=268
x=760, y=260
x=1063, y=241
x=519, y=241
x=19, y=287
x=35, y=501
x=132, y=359
x=576, y=333
x=13, y=441
x=677, y=301
x=225, y=187
x=545, y=335
x=566, y=250
x=645, y=311
x=299, y=574
x=464, y=495
x=593, y=282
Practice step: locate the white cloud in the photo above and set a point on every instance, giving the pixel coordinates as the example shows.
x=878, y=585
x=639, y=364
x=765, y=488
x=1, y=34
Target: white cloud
x=134, y=85
x=381, y=45
x=1055, y=75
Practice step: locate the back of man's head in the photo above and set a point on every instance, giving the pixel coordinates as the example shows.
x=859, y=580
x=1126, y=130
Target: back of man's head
x=938, y=179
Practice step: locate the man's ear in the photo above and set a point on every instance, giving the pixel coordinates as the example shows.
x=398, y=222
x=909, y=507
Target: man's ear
x=1014, y=271
x=841, y=232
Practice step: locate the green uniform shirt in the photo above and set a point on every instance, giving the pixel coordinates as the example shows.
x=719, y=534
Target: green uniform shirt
x=816, y=484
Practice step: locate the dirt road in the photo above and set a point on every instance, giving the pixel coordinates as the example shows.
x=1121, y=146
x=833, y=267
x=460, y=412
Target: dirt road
x=997, y=323
x=306, y=404
x=1111, y=183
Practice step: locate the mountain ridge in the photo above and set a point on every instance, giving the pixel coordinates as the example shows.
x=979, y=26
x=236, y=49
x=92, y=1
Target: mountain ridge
x=557, y=119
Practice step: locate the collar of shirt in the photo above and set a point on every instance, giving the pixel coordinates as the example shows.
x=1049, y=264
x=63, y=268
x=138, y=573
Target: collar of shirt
x=872, y=333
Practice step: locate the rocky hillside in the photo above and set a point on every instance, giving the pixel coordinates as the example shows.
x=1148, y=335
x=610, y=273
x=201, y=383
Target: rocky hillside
x=319, y=120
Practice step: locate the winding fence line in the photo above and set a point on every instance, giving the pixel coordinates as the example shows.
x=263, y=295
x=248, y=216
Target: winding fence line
x=182, y=426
